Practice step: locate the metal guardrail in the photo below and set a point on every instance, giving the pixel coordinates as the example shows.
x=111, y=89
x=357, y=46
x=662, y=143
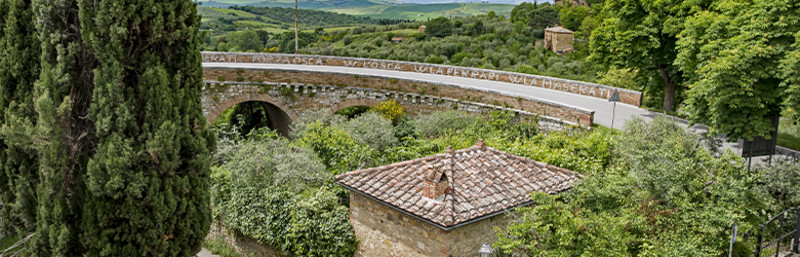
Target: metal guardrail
x=787, y=153
x=772, y=238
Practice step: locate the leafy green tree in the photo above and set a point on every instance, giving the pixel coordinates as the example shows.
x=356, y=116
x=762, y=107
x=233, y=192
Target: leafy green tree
x=572, y=17
x=740, y=58
x=124, y=148
x=642, y=35
x=439, y=27
x=536, y=16
x=19, y=67
x=245, y=41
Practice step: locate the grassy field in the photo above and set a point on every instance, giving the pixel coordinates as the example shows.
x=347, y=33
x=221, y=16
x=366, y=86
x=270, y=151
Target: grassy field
x=426, y=11
x=788, y=135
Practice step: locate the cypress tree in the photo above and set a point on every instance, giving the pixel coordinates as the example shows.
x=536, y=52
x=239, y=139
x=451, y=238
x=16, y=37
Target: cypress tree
x=126, y=160
x=65, y=136
x=19, y=68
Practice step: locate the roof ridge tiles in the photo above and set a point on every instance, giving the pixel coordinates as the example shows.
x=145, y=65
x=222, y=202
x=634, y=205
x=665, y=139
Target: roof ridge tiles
x=481, y=180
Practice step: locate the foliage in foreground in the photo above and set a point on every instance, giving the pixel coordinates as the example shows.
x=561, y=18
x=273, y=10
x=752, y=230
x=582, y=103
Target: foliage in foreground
x=280, y=194
x=122, y=146
x=667, y=195
x=279, y=190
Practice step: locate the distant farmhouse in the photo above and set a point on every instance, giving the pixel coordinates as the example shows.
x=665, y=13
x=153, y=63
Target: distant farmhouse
x=446, y=204
x=559, y=40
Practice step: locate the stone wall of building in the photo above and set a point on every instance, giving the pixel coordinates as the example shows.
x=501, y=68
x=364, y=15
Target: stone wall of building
x=559, y=42
x=577, y=87
x=295, y=92
x=383, y=231
x=467, y=240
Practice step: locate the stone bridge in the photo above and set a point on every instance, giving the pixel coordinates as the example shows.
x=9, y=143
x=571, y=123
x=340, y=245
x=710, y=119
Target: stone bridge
x=286, y=94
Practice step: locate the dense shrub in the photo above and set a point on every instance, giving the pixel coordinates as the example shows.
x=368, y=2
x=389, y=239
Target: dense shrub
x=371, y=129
x=337, y=149
x=278, y=193
x=438, y=124
x=391, y=110
x=669, y=194
x=782, y=181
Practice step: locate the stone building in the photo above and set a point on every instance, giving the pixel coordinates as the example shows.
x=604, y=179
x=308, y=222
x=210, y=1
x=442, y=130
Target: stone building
x=558, y=39
x=446, y=204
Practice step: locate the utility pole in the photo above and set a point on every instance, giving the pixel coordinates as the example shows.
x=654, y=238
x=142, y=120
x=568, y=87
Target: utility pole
x=295, y=26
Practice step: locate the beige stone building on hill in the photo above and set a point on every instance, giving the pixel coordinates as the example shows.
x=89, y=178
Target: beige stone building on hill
x=446, y=204
x=559, y=40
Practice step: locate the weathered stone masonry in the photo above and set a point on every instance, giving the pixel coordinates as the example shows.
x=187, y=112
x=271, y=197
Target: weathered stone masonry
x=402, y=235
x=293, y=92
x=577, y=87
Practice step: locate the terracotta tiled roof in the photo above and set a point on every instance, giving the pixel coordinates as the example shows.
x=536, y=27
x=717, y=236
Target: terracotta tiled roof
x=558, y=29
x=481, y=180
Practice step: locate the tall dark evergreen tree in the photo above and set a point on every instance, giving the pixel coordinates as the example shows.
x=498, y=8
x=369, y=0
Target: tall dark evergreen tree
x=125, y=152
x=19, y=68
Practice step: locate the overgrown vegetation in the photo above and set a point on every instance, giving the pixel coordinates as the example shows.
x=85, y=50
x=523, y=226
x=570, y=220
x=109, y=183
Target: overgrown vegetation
x=280, y=191
x=669, y=192
x=652, y=189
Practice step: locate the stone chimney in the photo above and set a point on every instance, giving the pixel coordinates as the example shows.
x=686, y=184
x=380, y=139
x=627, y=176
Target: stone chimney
x=435, y=183
x=434, y=189
x=481, y=144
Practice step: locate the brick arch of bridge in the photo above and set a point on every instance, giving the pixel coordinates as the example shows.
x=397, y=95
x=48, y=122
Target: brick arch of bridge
x=353, y=102
x=280, y=115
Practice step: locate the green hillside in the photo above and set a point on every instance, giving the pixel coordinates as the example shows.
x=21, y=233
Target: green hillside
x=381, y=9
x=426, y=11
x=305, y=4
x=218, y=21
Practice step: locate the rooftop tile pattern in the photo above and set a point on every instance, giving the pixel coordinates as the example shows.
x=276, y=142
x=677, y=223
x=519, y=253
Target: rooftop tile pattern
x=481, y=180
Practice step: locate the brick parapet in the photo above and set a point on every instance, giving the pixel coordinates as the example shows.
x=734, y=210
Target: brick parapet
x=576, y=87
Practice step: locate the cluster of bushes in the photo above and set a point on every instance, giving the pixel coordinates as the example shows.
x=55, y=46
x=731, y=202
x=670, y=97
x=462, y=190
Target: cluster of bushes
x=668, y=192
x=280, y=194
x=651, y=189
x=279, y=191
